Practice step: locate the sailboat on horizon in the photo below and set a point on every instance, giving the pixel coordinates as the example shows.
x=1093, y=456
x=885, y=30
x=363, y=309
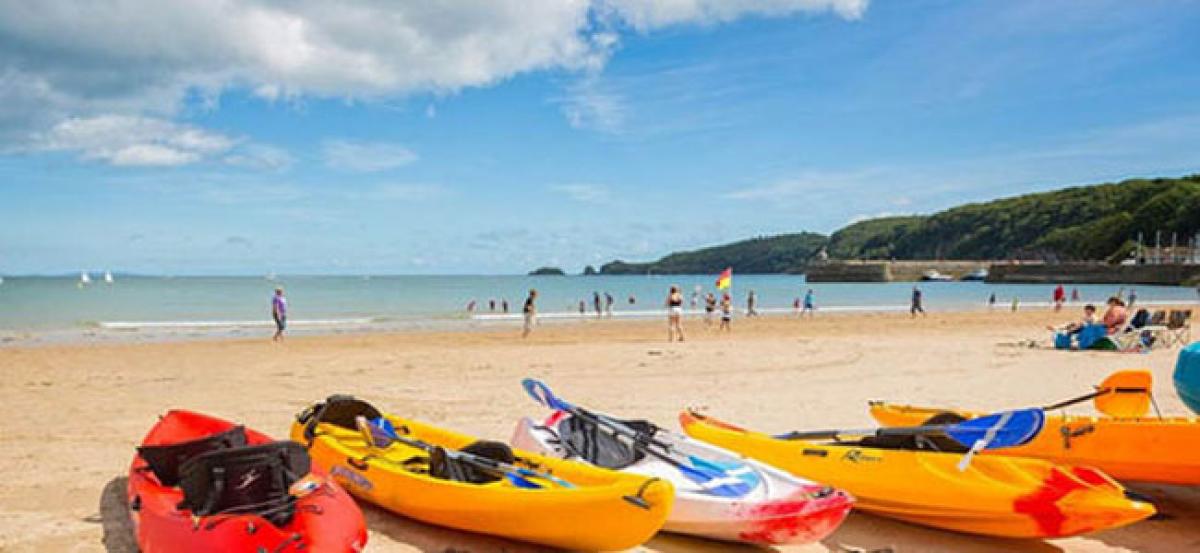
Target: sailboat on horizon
x=84, y=279
x=108, y=278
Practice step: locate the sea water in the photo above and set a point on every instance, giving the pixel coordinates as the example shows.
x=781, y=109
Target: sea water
x=41, y=307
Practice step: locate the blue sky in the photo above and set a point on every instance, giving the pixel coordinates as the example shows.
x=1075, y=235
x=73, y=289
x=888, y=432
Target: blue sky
x=500, y=136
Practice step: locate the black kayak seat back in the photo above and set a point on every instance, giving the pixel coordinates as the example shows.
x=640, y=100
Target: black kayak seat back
x=165, y=460
x=244, y=479
x=338, y=410
x=443, y=465
x=599, y=446
x=921, y=442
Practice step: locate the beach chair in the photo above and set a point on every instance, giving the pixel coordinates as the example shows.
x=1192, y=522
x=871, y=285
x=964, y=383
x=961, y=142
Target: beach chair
x=1179, y=327
x=1157, y=331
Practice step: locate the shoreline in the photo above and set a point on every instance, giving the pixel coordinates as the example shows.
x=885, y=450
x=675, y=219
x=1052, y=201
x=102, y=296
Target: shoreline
x=133, y=332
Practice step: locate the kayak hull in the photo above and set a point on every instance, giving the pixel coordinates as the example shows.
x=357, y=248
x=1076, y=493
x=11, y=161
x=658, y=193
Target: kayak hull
x=1018, y=498
x=780, y=508
x=1143, y=449
x=595, y=515
x=326, y=521
x=1187, y=376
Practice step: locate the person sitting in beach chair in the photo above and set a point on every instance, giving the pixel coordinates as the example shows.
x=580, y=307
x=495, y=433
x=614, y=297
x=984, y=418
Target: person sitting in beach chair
x=1089, y=317
x=1115, y=316
x=1179, y=327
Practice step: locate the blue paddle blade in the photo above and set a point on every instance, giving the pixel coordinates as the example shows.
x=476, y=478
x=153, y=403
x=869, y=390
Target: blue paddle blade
x=541, y=393
x=521, y=482
x=740, y=471
x=1021, y=426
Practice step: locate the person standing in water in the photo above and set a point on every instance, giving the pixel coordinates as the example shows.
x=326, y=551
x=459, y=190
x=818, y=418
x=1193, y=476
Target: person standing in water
x=529, y=312
x=1132, y=298
x=279, y=313
x=608, y=303
x=810, y=305
x=1060, y=297
x=674, y=314
x=710, y=307
x=596, y=304
x=726, y=312
x=992, y=301
x=917, y=306
x=751, y=300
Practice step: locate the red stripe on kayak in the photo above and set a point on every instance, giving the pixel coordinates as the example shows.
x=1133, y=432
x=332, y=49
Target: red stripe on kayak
x=1042, y=504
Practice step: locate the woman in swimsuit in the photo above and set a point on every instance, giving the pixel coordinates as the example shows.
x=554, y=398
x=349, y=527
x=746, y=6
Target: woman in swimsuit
x=674, y=314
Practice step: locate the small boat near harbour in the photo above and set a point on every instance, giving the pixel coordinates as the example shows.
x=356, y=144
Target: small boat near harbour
x=980, y=274
x=933, y=275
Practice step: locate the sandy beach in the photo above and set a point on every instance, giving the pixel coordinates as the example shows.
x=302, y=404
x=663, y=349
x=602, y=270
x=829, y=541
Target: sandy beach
x=70, y=415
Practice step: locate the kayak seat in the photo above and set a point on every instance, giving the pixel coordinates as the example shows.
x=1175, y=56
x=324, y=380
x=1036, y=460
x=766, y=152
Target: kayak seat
x=338, y=410
x=599, y=446
x=248, y=479
x=920, y=442
x=444, y=467
x=165, y=460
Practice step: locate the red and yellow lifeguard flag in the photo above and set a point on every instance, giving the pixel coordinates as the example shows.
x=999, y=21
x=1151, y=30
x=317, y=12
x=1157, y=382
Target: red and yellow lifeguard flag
x=725, y=280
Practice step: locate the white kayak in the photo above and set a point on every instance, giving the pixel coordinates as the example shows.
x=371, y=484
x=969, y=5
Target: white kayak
x=745, y=500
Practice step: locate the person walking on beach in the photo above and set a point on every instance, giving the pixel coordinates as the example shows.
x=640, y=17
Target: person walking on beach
x=710, y=307
x=504, y=305
x=992, y=301
x=279, y=313
x=1132, y=297
x=674, y=314
x=492, y=304
x=608, y=303
x=596, y=304
x=916, y=303
x=751, y=300
x=582, y=308
x=1060, y=297
x=810, y=305
x=1074, y=295
x=529, y=312
x=726, y=312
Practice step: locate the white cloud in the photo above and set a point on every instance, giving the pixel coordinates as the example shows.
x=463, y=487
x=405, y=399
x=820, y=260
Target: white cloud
x=650, y=14
x=132, y=141
x=261, y=157
x=366, y=157
x=587, y=193
x=588, y=105
x=143, y=58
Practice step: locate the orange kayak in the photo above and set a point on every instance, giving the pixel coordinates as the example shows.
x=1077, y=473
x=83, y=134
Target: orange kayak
x=996, y=496
x=1143, y=449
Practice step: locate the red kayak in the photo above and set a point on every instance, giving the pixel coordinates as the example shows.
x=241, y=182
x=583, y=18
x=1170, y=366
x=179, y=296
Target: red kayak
x=201, y=484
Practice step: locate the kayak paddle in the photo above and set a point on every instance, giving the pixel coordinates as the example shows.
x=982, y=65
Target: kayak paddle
x=1123, y=395
x=715, y=482
x=373, y=431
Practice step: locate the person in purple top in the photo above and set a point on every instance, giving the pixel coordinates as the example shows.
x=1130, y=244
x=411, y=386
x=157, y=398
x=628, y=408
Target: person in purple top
x=279, y=313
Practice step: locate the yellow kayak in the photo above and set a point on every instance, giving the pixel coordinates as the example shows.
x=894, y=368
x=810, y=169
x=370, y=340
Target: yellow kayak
x=601, y=510
x=997, y=496
x=1144, y=449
